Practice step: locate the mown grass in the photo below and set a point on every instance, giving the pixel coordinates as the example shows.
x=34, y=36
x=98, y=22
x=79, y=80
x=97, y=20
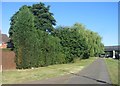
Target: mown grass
x=21, y=76
x=112, y=65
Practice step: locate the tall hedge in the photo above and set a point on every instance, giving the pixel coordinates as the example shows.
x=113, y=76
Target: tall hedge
x=37, y=43
x=79, y=42
x=24, y=33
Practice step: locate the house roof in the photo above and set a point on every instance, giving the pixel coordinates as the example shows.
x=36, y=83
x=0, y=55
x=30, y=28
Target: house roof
x=4, y=38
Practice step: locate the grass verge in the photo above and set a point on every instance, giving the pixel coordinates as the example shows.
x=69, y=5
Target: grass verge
x=112, y=66
x=0, y=77
x=20, y=76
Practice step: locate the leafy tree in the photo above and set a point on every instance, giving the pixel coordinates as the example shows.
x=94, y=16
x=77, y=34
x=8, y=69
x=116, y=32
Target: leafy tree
x=34, y=46
x=44, y=19
x=24, y=33
x=12, y=24
x=37, y=43
x=53, y=51
x=83, y=43
x=79, y=42
x=71, y=41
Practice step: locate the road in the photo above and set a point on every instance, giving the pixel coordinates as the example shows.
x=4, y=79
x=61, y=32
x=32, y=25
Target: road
x=95, y=73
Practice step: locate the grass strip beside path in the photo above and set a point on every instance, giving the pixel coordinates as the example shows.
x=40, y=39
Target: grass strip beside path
x=19, y=76
x=112, y=69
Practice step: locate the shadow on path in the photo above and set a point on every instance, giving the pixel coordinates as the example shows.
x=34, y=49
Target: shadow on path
x=101, y=81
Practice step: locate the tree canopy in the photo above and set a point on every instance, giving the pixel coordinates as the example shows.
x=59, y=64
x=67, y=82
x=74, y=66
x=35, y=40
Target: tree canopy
x=77, y=41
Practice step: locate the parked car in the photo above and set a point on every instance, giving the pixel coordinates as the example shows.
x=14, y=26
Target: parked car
x=102, y=55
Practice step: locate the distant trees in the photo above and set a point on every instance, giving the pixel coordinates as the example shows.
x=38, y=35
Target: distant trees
x=37, y=43
x=92, y=39
x=78, y=42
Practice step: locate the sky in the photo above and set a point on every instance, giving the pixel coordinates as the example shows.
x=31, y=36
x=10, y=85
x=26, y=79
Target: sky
x=100, y=17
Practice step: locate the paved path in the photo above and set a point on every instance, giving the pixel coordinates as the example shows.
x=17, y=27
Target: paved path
x=95, y=73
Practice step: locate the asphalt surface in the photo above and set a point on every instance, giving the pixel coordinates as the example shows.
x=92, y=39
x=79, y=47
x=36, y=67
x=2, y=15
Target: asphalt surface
x=95, y=73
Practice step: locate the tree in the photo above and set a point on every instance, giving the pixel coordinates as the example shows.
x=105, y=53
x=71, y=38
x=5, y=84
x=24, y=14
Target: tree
x=83, y=43
x=44, y=19
x=24, y=33
x=37, y=43
x=33, y=44
x=78, y=42
x=72, y=42
x=12, y=24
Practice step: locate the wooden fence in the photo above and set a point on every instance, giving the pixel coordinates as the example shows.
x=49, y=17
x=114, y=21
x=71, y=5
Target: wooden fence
x=8, y=60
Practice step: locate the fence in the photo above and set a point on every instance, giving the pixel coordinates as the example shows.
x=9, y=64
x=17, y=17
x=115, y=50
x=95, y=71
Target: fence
x=8, y=58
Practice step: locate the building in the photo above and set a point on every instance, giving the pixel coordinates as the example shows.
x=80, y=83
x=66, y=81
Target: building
x=112, y=51
x=4, y=39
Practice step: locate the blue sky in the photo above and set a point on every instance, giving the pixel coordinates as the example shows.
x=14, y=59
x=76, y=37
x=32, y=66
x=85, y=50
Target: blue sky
x=100, y=17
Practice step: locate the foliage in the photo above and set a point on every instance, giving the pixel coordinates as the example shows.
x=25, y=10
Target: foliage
x=24, y=33
x=37, y=43
x=34, y=47
x=92, y=39
x=43, y=18
x=77, y=41
x=51, y=49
